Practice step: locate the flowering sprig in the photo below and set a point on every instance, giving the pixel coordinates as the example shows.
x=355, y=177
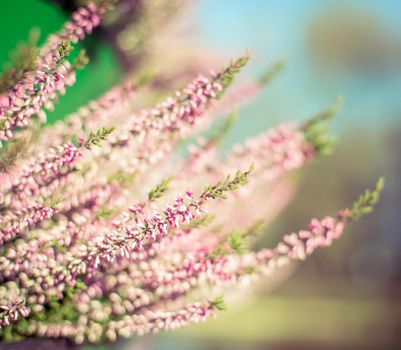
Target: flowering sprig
x=14, y=148
x=47, y=172
x=234, y=243
x=113, y=104
x=294, y=246
x=50, y=75
x=315, y=129
x=159, y=190
x=12, y=226
x=177, y=115
x=42, y=171
x=218, y=190
x=81, y=61
x=244, y=93
x=82, y=22
x=366, y=202
x=154, y=322
x=23, y=60
x=222, y=129
x=95, y=138
x=129, y=238
x=267, y=76
x=320, y=233
x=152, y=134
x=219, y=304
x=226, y=77
x=33, y=92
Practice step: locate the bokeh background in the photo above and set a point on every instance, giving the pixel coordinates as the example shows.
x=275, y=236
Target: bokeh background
x=346, y=297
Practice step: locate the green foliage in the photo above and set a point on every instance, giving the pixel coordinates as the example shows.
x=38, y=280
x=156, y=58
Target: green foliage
x=326, y=114
x=250, y=270
x=80, y=285
x=22, y=60
x=159, y=190
x=56, y=311
x=316, y=129
x=13, y=149
x=219, y=251
x=81, y=61
x=219, y=304
x=56, y=245
x=223, y=129
x=59, y=311
x=236, y=242
x=254, y=229
x=144, y=78
x=105, y=213
x=10, y=333
x=95, y=138
x=53, y=202
x=107, y=4
x=218, y=190
x=201, y=221
x=226, y=77
x=366, y=202
x=64, y=50
x=233, y=244
x=268, y=75
x=122, y=177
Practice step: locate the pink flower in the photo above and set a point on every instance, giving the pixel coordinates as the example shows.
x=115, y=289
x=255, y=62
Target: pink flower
x=4, y=101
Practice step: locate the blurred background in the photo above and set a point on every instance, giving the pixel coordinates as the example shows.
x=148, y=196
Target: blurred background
x=346, y=297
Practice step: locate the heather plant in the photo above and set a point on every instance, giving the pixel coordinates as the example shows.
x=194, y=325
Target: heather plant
x=106, y=232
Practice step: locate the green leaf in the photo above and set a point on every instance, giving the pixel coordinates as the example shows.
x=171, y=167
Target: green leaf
x=22, y=60
x=64, y=50
x=226, y=77
x=81, y=61
x=124, y=178
x=316, y=130
x=159, y=190
x=219, y=304
x=225, y=127
x=95, y=138
x=201, y=221
x=236, y=242
x=218, y=190
x=366, y=202
x=105, y=213
x=268, y=76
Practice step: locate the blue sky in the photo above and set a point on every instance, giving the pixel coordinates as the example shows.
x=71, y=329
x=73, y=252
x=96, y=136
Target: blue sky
x=274, y=29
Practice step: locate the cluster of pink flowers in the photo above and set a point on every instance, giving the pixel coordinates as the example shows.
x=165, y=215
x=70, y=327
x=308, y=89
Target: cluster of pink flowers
x=126, y=238
x=280, y=149
x=52, y=74
x=14, y=224
x=96, y=243
x=187, y=106
x=148, y=137
x=114, y=104
x=82, y=22
x=13, y=311
x=153, y=322
x=33, y=93
x=40, y=174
